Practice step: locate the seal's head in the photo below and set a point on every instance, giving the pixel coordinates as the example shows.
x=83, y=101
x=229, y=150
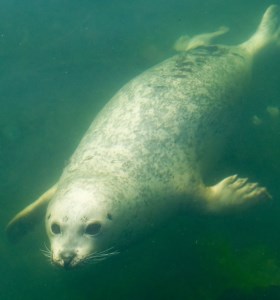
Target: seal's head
x=77, y=223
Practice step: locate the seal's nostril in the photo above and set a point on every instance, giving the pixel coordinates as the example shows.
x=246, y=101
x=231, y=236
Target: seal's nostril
x=67, y=257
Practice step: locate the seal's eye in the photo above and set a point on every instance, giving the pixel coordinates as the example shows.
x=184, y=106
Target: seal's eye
x=55, y=228
x=93, y=228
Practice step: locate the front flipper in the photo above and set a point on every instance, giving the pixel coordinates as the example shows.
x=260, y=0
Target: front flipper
x=26, y=219
x=233, y=192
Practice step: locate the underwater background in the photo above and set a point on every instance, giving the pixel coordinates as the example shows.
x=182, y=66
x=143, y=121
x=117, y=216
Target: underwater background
x=61, y=61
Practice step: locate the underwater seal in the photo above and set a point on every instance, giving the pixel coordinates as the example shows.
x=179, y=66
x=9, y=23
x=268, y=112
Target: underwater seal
x=144, y=157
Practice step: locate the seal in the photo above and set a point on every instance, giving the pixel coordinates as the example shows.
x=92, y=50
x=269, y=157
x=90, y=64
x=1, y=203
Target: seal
x=145, y=155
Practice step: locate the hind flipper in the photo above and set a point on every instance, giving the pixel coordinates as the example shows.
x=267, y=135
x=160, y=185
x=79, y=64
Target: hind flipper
x=268, y=32
x=26, y=219
x=233, y=192
x=185, y=43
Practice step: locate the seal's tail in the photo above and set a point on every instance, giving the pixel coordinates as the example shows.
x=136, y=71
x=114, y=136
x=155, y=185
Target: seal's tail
x=267, y=33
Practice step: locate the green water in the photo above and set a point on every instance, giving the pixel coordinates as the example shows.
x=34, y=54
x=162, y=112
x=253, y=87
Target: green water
x=61, y=61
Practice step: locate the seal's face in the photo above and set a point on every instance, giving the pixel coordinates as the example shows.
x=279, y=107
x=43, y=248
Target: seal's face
x=77, y=225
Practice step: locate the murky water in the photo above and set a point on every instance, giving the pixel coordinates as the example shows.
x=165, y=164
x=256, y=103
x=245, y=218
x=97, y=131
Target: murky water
x=61, y=61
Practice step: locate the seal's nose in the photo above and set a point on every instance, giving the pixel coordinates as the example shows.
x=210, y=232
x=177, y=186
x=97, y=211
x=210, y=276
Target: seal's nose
x=67, y=257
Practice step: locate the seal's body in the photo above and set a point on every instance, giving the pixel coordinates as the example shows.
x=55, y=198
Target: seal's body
x=144, y=156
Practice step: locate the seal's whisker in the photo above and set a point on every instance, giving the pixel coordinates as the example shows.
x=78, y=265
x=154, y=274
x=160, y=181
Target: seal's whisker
x=47, y=256
x=96, y=257
x=47, y=248
x=47, y=252
x=106, y=250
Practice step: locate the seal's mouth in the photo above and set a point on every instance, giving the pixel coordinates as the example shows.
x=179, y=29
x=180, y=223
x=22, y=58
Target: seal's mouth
x=64, y=259
x=66, y=264
x=69, y=259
